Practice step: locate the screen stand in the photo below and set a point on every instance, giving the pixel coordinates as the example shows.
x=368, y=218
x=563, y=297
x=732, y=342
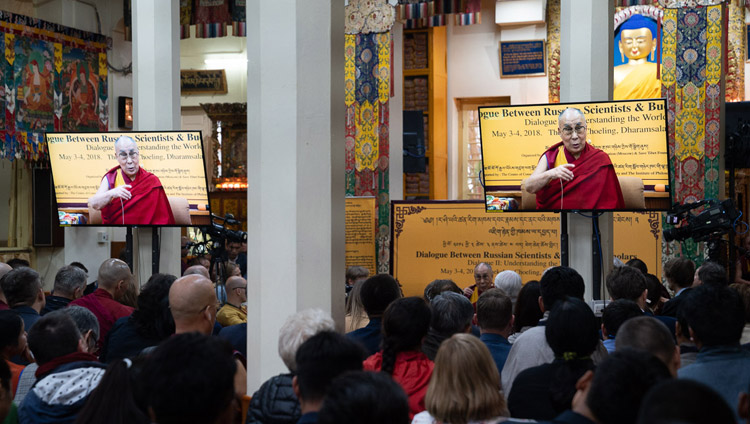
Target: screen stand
x=596, y=260
x=155, y=250
x=129, y=247
x=564, y=253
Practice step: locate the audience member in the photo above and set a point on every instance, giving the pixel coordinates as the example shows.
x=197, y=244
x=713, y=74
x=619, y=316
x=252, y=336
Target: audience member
x=614, y=392
x=530, y=348
x=657, y=296
x=510, y=283
x=18, y=263
x=193, y=304
x=356, y=317
x=405, y=324
x=275, y=401
x=451, y=313
x=613, y=316
x=377, y=293
x=233, y=312
x=23, y=290
x=465, y=384
x=495, y=318
x=13, y=343
x=638, y=264
x=127, y=406
x=151, y=323
x=70, y=282
x=355, y=274
x=4, y=269
x=646, y=333
x=715, y=317
x=365, y=398
x=527, y=312
x=320, y=359
x=90, y=287
x=544, y=391
x=627, y=283
x=196, y=270
x=679, y=274
x=712, y=274
x=88, y=327
x=115, y=285
x=684, y=402
x=190, y=378
x=66, y=375
x=744, y=291
x=483, y=280
x=438, y=286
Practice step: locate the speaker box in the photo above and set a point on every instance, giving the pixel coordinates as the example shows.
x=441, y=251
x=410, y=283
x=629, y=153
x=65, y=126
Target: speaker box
x=46, y=227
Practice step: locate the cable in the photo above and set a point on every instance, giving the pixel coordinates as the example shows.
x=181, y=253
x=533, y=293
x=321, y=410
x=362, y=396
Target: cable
x=561, y=193
x=122, y=207
x=734, y=225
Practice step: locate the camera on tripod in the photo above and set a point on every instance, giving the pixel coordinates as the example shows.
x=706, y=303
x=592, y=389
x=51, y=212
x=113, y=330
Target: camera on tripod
x=220, y=234
x=714, y=221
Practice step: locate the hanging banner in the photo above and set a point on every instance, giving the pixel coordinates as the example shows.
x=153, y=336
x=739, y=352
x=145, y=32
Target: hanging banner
x=447, y=239
x=361, y=222
x=638, y=235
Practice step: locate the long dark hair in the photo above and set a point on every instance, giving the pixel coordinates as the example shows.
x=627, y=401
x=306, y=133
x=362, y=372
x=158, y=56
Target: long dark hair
x=527, y=310
x=405, y=323
x=115, y=400
x=153, y=320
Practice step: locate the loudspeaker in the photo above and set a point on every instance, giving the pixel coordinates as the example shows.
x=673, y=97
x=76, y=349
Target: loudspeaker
x=414, y=142
x=46, y=227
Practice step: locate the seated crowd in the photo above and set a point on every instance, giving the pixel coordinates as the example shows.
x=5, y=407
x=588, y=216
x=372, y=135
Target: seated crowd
x=500, y=350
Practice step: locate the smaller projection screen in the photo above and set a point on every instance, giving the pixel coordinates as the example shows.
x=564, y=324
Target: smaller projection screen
x=612, y=158
x=129, y=178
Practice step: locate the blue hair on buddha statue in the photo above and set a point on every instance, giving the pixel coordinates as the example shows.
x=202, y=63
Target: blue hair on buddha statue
x=638, y=21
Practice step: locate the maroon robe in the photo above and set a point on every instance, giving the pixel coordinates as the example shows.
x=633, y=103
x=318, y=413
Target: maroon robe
x=148, y=206
x=106, y=309
x=594, y=185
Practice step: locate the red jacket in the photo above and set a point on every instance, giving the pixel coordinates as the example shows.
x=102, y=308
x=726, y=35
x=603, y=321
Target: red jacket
x=412, y=371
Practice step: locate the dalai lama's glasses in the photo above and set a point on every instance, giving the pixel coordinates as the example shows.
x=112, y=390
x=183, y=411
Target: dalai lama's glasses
x=124, y=155
x=567, y=131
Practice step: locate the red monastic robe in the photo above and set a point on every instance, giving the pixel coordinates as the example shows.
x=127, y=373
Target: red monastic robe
x=148, y=206
x=594, y=185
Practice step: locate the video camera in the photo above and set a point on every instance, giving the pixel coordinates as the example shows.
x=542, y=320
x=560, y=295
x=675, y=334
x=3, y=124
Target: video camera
x=219, y=232
x=714, y=221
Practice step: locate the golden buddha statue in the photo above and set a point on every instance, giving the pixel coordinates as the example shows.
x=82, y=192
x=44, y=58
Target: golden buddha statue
x=636, y=78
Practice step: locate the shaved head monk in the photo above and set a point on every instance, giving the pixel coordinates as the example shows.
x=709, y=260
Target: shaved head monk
x=193, y=303
x=116, y=283
x=233, y=312
x=573, y=174
x=130, y=195
x=196, y=270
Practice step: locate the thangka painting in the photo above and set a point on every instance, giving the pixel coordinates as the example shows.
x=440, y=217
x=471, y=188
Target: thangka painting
x=52, y=78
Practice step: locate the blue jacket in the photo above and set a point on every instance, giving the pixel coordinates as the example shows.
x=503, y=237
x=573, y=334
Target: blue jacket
x=499, y=348
x=59, y=396
x=726, y=369
x=369, y=336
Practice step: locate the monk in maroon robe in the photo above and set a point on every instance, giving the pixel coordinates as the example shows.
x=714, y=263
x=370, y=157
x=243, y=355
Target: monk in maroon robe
x=130, y=195
x=573, y=174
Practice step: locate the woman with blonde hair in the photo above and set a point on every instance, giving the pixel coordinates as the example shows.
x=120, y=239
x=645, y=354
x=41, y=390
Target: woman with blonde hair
x=465, y=385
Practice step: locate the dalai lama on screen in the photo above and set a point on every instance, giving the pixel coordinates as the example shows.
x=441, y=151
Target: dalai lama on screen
x=130, y=195
x=573, y=174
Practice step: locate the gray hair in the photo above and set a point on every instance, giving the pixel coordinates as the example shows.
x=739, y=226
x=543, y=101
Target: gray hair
x=85, y=320
x=68, y=279
x=571, y=109
x=125, y=137
x=510, y=283
x=451, y=313
x=297, y=329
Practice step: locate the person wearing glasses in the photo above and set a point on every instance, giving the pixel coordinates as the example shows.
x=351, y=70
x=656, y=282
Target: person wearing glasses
x=573, y=174
x=129, y=194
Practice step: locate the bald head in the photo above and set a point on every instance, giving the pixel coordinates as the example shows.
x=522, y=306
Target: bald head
x=236, y=290
x=571, y=113
x=196, y=270
x=111, y=272
x=192, y=301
